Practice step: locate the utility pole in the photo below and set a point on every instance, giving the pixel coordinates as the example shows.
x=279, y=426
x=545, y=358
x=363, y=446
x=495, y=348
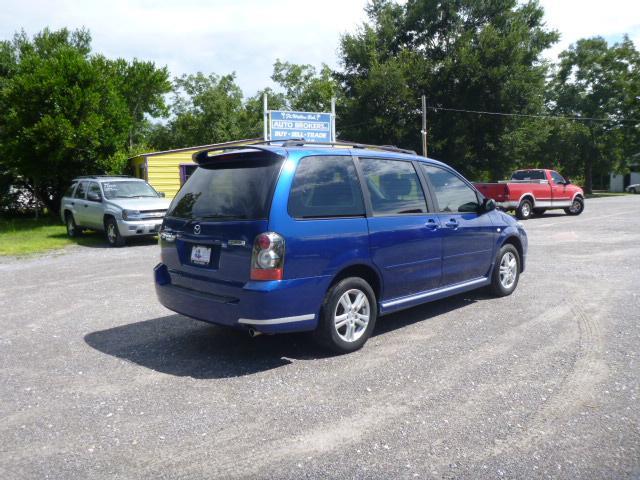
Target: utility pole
x=424, y=125
x=333, y=119
x=265, y=117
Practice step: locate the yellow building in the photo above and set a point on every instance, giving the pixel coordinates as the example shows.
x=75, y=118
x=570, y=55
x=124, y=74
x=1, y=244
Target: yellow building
x=167, y=171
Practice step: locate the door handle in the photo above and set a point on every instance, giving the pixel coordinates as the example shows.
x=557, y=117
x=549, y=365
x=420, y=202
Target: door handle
x=431, y=225
x=85, y=205
x=452, y=223
x=73, y=203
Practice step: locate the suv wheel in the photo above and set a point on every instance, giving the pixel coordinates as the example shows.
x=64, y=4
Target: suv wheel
x=113, y=234
x=525, y=210
x=72, y=229
x=576, y=208
x=506, y=271
x=348, y=316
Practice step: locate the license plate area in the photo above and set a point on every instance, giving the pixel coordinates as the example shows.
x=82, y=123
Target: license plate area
x=202, y=255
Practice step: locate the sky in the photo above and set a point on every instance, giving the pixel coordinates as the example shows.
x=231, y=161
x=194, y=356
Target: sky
x=247, y=36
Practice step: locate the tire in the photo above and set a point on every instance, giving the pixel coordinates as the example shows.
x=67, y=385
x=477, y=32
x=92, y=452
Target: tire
x=112, y=233
x=524, y=210
x=633, y=191
x=344, y=293
x=506, y=271
x=539, y=211
x=576, y=208
x=73, y=231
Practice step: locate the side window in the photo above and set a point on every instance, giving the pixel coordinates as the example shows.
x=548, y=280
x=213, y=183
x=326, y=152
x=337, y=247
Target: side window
x=70, y=190
x=325, y=186
x=93, y=193
x=452, y=194
x=394, y=187
x=80, y=191
x=557, y=178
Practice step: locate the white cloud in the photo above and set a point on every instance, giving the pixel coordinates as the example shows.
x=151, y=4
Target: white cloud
x=576, y=19
x=246, y=36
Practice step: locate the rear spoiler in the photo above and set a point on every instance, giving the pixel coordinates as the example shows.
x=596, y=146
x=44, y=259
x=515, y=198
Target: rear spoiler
x=203, y=156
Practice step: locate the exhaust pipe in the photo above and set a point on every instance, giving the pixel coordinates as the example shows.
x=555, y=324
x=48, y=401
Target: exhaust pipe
x=253, y=333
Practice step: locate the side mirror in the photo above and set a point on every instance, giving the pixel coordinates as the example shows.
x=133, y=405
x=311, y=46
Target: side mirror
x=567, y=181
x=488, y=204
x=94, y=197
x=161, y=194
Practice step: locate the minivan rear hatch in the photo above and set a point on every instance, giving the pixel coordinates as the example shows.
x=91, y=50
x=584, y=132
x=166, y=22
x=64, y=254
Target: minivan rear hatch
x=209, y=229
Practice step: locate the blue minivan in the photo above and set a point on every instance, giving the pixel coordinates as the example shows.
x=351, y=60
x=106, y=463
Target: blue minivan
x=289, y=236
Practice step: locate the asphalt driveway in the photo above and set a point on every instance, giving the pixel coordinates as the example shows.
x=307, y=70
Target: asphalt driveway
x=97, y=380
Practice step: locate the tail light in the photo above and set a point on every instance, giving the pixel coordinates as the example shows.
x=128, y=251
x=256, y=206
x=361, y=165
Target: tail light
x=267, y=259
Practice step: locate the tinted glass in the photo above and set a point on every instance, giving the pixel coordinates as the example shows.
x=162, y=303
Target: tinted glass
x=69, y=192
x=528, y=175
x=557, y=178
x=452, y=194
x=325, y=186
x=128, y=189
x=81, y=190
x=94, y=188
x=228, y=190
x=394, y=188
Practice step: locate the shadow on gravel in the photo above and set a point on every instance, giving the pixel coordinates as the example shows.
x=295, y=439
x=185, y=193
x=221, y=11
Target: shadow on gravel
x=93, y=239
x=179, y=346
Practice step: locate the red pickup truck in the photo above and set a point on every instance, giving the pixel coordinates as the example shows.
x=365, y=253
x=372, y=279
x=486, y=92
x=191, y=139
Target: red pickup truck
x=534, y=191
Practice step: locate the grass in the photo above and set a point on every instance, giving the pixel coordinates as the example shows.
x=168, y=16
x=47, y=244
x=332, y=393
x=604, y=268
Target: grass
x=26, y=236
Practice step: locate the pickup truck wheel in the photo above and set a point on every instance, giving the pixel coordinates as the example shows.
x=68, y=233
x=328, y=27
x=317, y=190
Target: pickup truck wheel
x=348, y=316
x=576, y=208
x=112, y=233
x=506, y=271
x=525, y=210
x=72, y=229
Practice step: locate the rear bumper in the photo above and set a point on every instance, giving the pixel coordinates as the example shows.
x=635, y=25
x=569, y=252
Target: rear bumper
x=268, y=307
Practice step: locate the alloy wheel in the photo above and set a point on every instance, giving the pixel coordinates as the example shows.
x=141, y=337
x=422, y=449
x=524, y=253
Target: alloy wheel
x=352, y=314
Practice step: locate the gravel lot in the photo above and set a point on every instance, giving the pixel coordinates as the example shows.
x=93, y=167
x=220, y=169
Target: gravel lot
x=97, y=380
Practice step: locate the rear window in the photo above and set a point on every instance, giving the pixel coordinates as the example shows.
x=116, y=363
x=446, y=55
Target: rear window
x=528, y=175
x=228, y=190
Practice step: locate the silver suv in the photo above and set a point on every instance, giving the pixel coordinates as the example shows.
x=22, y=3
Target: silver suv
x=120, y=206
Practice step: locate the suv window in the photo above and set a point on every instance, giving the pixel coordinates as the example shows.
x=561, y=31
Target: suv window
x=557, y=178
x=128, y=189
x=70, y=190
x=81, y=190
x=394, y=187
x=228, y=190
x=95, y=189
x=452, y=194
x=325, y=186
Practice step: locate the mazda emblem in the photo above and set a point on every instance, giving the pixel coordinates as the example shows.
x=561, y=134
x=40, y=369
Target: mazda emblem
x=196, y=229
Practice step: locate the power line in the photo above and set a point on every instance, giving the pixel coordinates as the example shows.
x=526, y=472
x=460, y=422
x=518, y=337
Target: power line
x=554, y=117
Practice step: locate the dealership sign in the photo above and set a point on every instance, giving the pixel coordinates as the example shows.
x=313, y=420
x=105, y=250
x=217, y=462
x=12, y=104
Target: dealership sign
x=310, y=126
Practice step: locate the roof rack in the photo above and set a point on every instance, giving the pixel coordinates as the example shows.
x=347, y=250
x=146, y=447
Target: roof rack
x=301, y=142
x=203, y=155
x=103, y=176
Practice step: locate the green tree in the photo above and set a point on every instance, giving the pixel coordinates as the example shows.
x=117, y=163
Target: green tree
x=66, y=111
x=462, y=54
x=305, y=88
x=596, y=81
x=206, y=109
